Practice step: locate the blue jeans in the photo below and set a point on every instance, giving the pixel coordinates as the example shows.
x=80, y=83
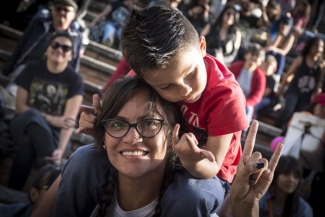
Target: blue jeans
x=280, y=60
x=199, y=197
x=266, y=101
x=111, y=32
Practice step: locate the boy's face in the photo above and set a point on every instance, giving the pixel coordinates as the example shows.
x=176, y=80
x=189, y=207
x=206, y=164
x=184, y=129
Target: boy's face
x=268, y=68
x=185, y=78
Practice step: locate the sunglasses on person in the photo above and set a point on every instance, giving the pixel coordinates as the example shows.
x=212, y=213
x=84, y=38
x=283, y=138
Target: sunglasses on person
x=146, y=128
x=55, y=45
x=59, y=9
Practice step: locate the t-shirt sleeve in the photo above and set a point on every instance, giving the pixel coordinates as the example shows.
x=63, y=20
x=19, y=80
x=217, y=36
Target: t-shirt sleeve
x=26, y=76
x=225, y=109
x=82, y=178
x=76, y=87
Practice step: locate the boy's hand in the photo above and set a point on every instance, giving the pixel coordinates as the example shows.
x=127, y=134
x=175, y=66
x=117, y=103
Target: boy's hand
x=88, y=117
x=186, y=148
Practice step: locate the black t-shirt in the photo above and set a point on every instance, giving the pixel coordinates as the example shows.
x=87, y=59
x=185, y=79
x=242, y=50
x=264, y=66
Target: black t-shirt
x=119, y=13
x=48, y=92
x=270, y=83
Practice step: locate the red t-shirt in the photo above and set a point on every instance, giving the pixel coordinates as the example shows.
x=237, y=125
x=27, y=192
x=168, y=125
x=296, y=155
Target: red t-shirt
x=219, y=111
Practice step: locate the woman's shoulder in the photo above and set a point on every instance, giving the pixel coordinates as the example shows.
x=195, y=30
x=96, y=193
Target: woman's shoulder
x=304, y=208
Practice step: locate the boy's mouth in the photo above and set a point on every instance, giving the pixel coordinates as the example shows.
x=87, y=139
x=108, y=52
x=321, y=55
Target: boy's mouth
x=134, y=153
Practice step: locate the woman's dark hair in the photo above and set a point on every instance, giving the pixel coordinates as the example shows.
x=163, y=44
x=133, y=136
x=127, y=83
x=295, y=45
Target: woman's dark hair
x=219, y=21
x=287, y=165
x=64, y=34
x=46, y=176
x=152, y=36
x=212, y=38
x=276, y=6
x=126, y=88
x=306, y=8
x=309, y=45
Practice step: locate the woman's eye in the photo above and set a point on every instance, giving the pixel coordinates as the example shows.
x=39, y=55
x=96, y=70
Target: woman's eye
x=117, y=124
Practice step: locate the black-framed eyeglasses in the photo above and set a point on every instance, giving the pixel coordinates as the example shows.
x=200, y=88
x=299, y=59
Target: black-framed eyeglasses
x=55, y=45
x=146, y=128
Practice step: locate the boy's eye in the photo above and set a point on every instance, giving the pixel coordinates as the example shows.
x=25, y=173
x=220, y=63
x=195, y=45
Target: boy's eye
x=192, y=73
x=165, y=88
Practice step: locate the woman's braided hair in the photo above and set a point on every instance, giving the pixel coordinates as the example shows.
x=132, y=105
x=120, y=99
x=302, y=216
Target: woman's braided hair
x=126, y=88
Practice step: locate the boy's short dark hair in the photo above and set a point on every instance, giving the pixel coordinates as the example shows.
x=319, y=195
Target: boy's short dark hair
x=152, y=36
x=46, y=176
x=256, y=49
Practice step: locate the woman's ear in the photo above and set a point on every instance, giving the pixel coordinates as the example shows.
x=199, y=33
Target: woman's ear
x=33, y=194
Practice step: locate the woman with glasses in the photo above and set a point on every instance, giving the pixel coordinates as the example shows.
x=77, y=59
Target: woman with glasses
x=131, y=168
x=48, y=98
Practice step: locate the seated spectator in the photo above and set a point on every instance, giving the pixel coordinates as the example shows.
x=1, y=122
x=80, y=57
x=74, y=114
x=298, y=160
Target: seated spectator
x=250, y=77
x=222, y=37
x=42, y=181
x=307, y=71
x=282, y=198
x=48, y=98
x=300, y=15
x=286, y=5
x=268, y=67
x=248, y=22
x=280, y=42
x=32, y=45
x=115, y=14
x=198, y=13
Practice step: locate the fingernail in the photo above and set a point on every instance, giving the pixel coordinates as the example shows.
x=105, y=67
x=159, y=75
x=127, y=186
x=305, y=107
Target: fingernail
x=259, y=165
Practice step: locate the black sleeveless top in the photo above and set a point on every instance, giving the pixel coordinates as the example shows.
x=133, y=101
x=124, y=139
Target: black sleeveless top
x=305, y=80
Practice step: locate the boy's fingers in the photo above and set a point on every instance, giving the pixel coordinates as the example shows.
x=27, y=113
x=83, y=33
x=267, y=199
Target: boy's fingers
x=175, y=138
x=96, y=104
x=87, y=109
x=275, y=157
x=250, y=140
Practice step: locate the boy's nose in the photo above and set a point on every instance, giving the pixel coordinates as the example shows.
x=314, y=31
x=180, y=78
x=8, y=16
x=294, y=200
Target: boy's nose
x=185, y=90
x=132, y=136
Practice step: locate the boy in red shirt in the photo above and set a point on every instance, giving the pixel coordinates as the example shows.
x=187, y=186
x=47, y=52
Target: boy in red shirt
x=164, y=49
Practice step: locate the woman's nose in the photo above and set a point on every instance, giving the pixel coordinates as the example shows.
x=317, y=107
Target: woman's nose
x=132, y=136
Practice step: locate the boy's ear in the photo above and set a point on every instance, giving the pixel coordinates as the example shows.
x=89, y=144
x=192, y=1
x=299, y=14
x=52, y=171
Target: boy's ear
x=203, y=46
x=33, y=194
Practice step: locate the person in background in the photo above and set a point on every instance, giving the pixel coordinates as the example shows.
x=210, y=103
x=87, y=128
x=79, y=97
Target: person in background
x=273, y=11
x=300, y=15
x=280, y=42
x=286, y=5
x=42, y=181
x=307, y=71
x=250, y=77
x=115, y=15
x=248, y=22
x=268, y=67
x=319, y=13
x=32, y=45
x=48, y=98
x=282, y=198
x=222, y=37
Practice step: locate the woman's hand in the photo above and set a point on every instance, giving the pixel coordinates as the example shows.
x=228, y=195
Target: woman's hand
x=56, y=156
x=88, y=117
x=253, y=178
